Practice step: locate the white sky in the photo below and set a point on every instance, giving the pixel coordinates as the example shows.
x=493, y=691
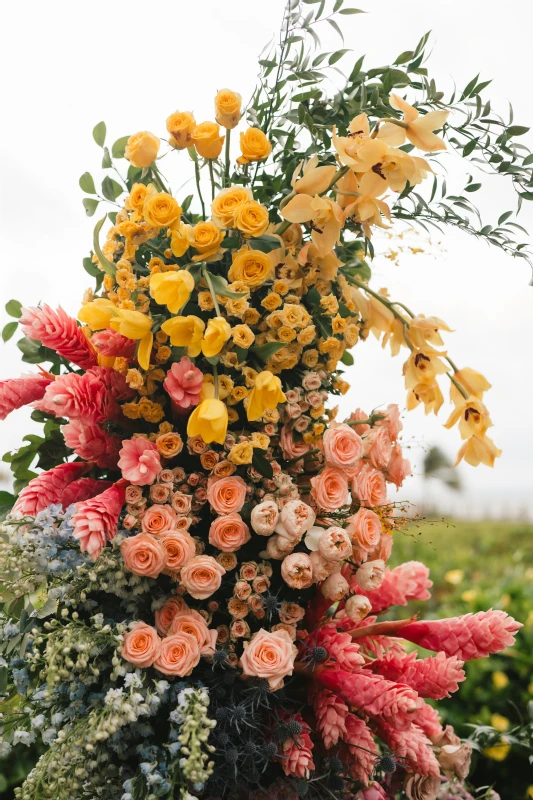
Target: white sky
x=69, y=65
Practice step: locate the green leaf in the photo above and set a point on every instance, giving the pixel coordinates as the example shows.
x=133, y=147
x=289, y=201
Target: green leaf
x=516, y=130
x=220, y=286
x=119, y=148
x=472, y=187
x=526, y=195
x=334, y=57
x=352, y=11
x=111, y=189
x=262, y=464
x=265, y=351
x=106, y=160
x=469, y=147
x=9, y=330
x=99, y=132
x=31, y=350
x=504, y=217
x=87, y=183
x=14, y=308
x=266, y=243
x=90, y=205
x=347, y=358
x=231, y=242
x=336, y=28
x=107, y=266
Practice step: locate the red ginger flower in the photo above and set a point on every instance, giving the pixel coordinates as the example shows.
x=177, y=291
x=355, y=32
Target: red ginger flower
x=470, y=636
x=112, y=343
x=409, y=581
x=372, y=695
x=296, y=757
x=90, y=442
x=48, y=487
x=434, y=677
x=92, y=396
x=18, y=392
x=330, y=712
x=83, y=489
x=412, y=746
x=96, y=520
x=360, y=748
x=59, y=332
x=428, y=720
x=339, y=645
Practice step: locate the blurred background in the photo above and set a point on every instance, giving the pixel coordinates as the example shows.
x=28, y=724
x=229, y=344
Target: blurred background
x=69, y=65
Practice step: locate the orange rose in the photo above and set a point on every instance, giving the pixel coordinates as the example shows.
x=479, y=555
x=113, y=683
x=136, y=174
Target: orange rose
x=143, y=555
x=158, y=518
x=180, y=547
x=178, y=655
x=164, y=615
x=269, y=655
x=226, y=495
x=330, y=489
x=343, y=447
x=169, y=444
x=192, y=622
x=141, y=645
x=202, y=576
x=229, y=532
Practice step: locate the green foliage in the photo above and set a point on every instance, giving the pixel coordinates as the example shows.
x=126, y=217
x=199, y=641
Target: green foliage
x=40, y=452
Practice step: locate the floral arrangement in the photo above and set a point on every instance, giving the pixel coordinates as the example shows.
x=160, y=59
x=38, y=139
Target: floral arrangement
x=195, y=582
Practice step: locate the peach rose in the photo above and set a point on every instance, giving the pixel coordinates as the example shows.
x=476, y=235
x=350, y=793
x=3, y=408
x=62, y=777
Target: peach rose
x=370, y=575
x=178, y=655
x=322, y=567
x=264, y=517
x=202, y=576
x=164, y=615
x=278, y=547
x=229, y=533
x=357, y=607
x=297, y=571
x=141, y=645
x=158, y=518
x=181, y=503
x=330, y=489
x=159, y=493
x=144, y=555
x=242, y=590
x=391, y=421
x=226, y=495
x=364, y=530
x=378, y=447
x=297, y=518
x=335, y=544
x=369, y=487
x=335, y=587
x=291, y=613
x=270, y=656
x=191, y=621
x=180, y=548
x=134, y=494
x=343, y=447
x=398, y=467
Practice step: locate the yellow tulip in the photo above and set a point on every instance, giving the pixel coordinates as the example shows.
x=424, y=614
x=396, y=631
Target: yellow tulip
x=216, y=335
x=418, y=129
x=144, y=350
x=266, y=394
x=131, y=324
x=97, y=314
x=172, y=289
x=185, y=332
x=210, y=421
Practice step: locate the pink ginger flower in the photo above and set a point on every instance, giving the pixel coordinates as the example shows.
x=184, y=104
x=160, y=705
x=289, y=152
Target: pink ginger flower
x=112, y=343
x=330, y=712
x=428, y=720
x=91, y=443
x=373, y=695
x=184, y=383
x=48, y=487
x=373, y=792
x=360, y=748
x=296, y=755
x=91, y=396
x=340, y=646
x=434, y=677
x=96, y=519
x=18, y=392
x=139, y=461
x=83, y=489
x=469, y=636
x=59, y=332
x=412, y=746
x=409, y=581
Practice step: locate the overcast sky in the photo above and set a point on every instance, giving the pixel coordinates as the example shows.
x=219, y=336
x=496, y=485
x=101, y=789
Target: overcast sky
x=69, y=65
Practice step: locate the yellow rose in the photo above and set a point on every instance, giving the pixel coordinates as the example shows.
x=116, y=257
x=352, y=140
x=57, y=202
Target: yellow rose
x=266, y=394
x=207, y=140
x=252, y=267
x=137, y=197
x=205, y=301
x=251, y=316
x=216, y=335
x=238, y=393
x=97, y=315
x=260, y=440
x=286, y=334
x=241, y=453
x=295, y=316
x=161, y=210
x=271, y=301
x=185, y=332
x=180, y=126
x=251, y=218
x=179, y=240
x=227, y=202
x=141, y=149
x=206, y=238
x=172, y=289
x=228, y=108
x=310, y=358
x=237, y=308
x=243, y=336
x=254, y=146
x=210, y=421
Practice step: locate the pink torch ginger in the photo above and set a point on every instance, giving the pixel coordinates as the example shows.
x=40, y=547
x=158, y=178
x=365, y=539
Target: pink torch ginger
x=184, y=383
x=412, y=746
x=48, y=487
x=59, y=332
x=330, y=712
x=360, y=748
x=96, y=520
x=83, y=489
x=18, y=392
x=434, y=677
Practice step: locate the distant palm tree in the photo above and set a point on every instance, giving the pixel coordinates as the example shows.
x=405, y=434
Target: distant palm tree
x=437, y=464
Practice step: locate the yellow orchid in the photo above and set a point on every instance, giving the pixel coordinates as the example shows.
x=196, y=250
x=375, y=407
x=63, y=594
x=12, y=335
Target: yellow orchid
x=478, y=450
x=425, y=330
x=427, y=393
x=418, y=129
x=328, y=265
x=185, y=332
x=266, y=394
x=474, y=382
x=180, y=239
x=217, y=333
x=172, y=289
x=315, y=179
x=348, y=147
x=423, y=366
x=135, y=325
x=472, y=416
x=367, y=208
x=324, y=214
x=210, y=421
x=97, y=314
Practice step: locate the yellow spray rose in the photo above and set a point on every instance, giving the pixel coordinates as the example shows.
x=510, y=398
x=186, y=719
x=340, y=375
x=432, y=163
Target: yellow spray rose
x=142, y=149
x=241, y=453
x=209, y=420
x=206, y=238
x=252, y=267
x=216, y=335
x=251, y=219
x=207, y=140
x=185, y=332
x=180, y=126
x=172, y=289
x=266, y=394
x=97, y=314
x=243, y=336
x=227, y=202
x=228, y=108
x=254, y=146
x=161, y=210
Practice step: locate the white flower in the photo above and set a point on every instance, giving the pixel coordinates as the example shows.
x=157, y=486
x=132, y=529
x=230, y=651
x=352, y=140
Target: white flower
x=264, y=517
x=370, y=574
x=297, y=518
x=313, y=537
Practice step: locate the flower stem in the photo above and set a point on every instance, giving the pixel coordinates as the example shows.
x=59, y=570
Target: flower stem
x=197, y=177
x=212, y=176
x=215, y=380
x=226, y=167
x=209, y=282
